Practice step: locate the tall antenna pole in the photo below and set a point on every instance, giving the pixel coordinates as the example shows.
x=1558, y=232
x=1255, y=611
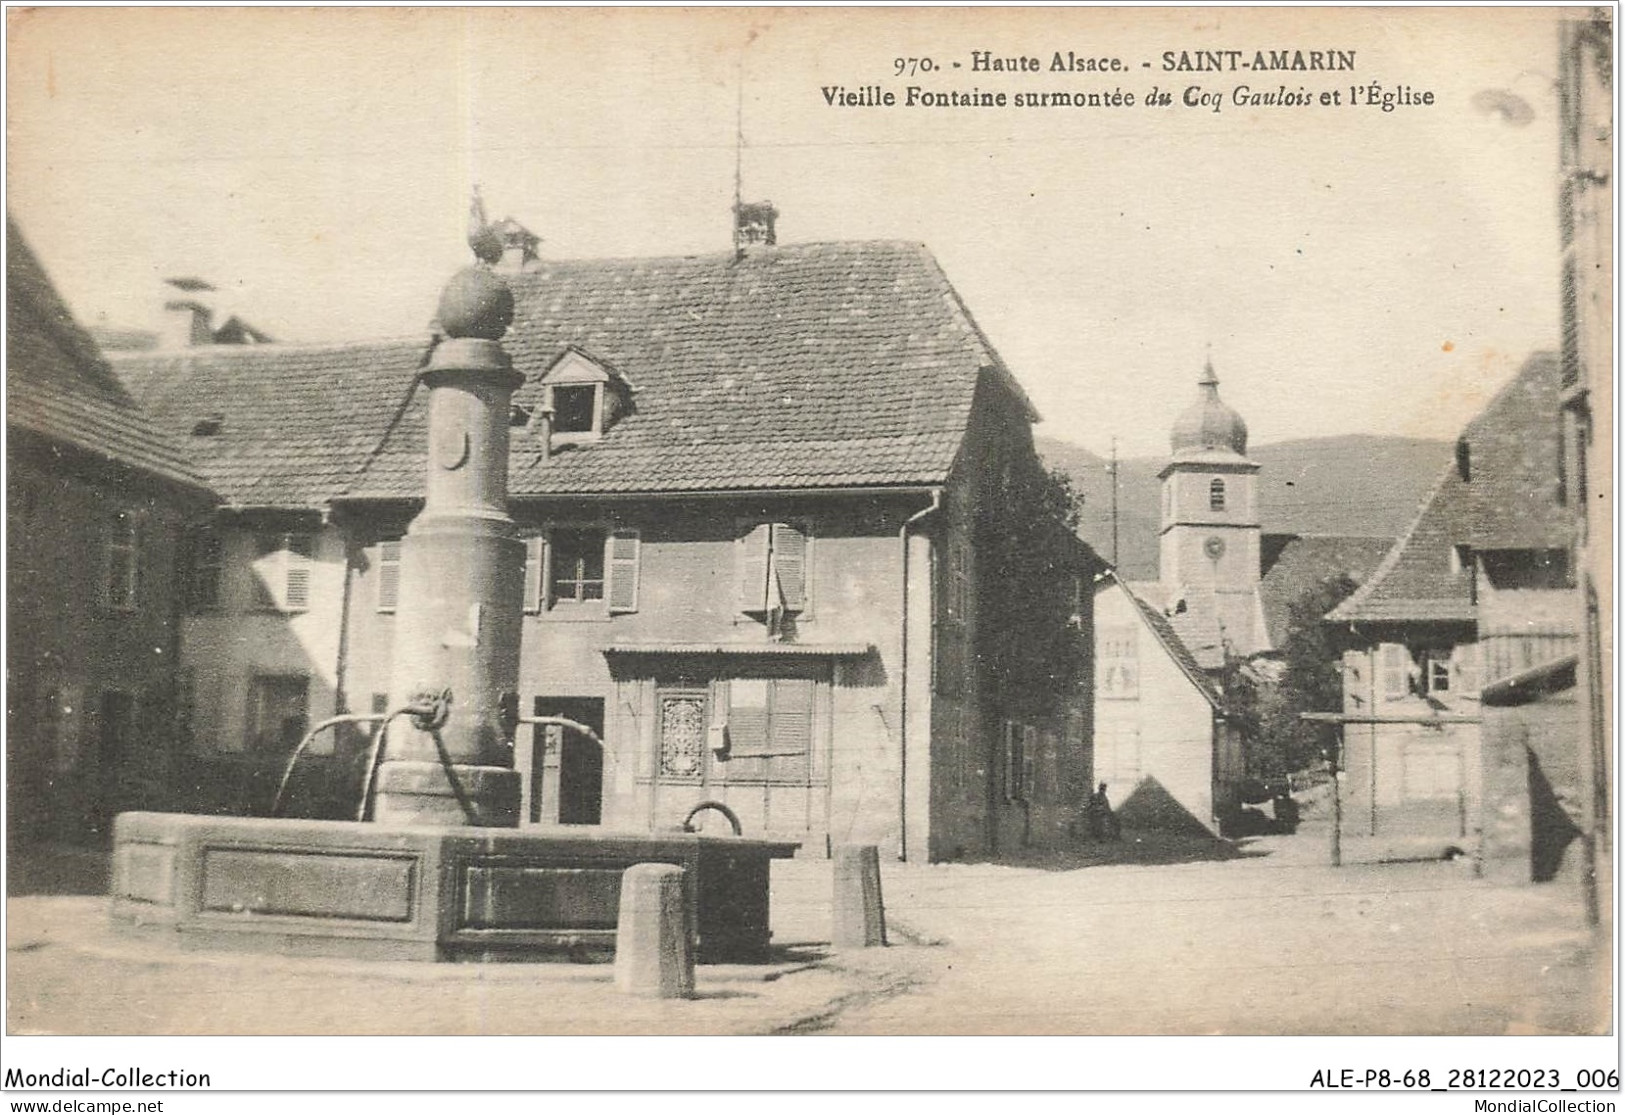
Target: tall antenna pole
x=1113, y=471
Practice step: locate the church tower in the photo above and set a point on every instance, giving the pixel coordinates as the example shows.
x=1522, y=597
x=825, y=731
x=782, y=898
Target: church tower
x=1210, y=531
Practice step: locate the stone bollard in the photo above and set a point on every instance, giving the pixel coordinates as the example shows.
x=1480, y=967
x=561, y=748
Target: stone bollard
x=860, y=915
x=653, y=953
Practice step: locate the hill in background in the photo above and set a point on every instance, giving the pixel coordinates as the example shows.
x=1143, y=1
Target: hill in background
x=1356, y=484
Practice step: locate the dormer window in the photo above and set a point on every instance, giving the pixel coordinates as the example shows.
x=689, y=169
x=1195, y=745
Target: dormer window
x=575, y=409
x=585, y=395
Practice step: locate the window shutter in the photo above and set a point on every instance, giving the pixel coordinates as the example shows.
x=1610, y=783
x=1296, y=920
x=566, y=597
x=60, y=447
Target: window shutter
x=298, y=572
x=389, y=576
x=1395, y=660
x=790, y=561
x=1468, y=673
x=624, y=547
x=535, y=572
x=747, y=716
x=792, y=715
x=792, y=729
x=753, y=550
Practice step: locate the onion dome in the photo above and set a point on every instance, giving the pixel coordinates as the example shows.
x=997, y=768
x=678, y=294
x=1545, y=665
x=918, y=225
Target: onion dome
x=475, y=303
x=1209, y=424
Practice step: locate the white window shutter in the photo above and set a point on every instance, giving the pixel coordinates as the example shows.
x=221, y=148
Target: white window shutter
x=1469, y=674
x=535, y=572
x=753, y=552
x=790, y=562
x=793, y=715
x=622, y=563
x=297, y=555
x=1396, y=661
x=389, y=576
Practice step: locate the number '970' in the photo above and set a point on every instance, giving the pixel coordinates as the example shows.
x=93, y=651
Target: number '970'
x=912, y=66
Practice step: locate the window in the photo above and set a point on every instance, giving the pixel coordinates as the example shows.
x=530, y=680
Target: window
x=577, y=559
x=1215, y=494
x=1118, y=667
x=575, y=409
x=122, y=587
x=206, y=558
x=389, y=575
x=1437, y=676
x=580, y=565
x=683, y=733
x=586, y=396
x=1421, y=672
x=769, y=730
x=773, y=581
x=282, y=572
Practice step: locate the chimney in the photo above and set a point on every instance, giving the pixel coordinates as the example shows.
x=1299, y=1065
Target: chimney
x=544, y=429
x=755, y=222
x=518, y=245
x=186, y=320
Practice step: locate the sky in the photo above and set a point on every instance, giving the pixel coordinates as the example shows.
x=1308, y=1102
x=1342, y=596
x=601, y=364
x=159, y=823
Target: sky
x=1350, y=270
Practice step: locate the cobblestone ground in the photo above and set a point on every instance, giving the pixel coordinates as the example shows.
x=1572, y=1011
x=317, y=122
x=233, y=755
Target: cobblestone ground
x=1153, y=936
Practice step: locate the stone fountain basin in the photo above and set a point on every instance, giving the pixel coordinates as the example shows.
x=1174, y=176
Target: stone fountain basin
x=396, y=892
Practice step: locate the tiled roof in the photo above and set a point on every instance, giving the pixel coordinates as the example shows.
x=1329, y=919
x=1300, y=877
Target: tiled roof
x=1514, y=456
x=1414, y=580
x=1299, y=563
x=294, y=423
x=1174, y=645
x=805, y=366
x=1508, y=501
x=802, y=366
x=58, y=386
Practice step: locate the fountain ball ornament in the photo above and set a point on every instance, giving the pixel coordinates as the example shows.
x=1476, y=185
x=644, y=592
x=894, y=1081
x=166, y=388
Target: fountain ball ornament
x=476, y=303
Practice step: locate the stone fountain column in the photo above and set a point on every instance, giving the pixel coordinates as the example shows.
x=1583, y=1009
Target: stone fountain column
x=457, y=626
